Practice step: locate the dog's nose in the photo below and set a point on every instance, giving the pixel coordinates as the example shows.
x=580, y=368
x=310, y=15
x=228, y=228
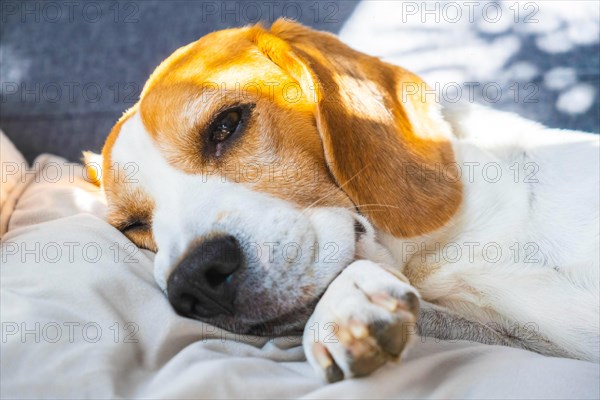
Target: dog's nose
x=202, y=285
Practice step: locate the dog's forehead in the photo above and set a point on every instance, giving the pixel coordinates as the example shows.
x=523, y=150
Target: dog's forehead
x=211, y=52
x=229, y=56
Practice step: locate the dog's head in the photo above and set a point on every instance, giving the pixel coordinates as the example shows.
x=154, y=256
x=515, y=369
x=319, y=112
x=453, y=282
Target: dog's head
x=257, y=162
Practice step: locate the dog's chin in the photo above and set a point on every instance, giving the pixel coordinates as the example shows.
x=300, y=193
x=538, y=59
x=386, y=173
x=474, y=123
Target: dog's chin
x=289, y=324
x=268, y=328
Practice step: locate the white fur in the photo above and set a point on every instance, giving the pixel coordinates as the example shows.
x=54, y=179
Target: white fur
x=554, y=291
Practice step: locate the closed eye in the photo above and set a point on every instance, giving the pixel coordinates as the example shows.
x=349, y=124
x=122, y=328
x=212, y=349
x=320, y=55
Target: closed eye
x=135, y=226
x=226, y=126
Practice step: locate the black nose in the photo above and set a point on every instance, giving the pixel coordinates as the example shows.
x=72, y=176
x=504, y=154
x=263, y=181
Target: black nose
x=202, y=285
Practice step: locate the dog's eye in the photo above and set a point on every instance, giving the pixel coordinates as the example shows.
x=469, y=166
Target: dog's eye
x=135, y=226
x=227, y=123
x=226, y=126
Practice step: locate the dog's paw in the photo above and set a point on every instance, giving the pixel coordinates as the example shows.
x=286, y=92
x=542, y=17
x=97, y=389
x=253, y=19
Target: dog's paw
x=365, y=318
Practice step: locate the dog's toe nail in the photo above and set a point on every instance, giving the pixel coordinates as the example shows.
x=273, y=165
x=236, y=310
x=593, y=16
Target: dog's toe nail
x=358, y=329
x=322, y=356
x=344, y=334
x=333, y=373
x=412, y=301
x=385, y=301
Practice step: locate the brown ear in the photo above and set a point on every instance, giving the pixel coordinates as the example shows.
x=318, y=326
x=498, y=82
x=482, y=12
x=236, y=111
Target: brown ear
x=387, y=147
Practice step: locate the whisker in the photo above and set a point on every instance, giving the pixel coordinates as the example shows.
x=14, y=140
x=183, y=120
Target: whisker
x=333, y=190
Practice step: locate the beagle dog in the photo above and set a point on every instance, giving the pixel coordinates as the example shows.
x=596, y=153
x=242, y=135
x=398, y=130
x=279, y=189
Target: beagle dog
x=288, y=183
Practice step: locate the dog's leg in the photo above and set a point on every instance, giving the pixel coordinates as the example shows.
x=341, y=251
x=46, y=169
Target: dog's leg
x=366, y=317
x=442, y=324
x=537, y=307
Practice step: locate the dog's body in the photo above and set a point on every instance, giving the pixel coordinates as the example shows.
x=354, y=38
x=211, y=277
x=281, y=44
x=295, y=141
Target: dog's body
x=522, y=254
x=492, y=218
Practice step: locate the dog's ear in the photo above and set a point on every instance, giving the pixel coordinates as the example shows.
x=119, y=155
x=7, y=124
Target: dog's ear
x=92, y=163
x=386, y=146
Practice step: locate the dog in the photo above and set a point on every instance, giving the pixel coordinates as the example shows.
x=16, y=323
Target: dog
x=288, y=184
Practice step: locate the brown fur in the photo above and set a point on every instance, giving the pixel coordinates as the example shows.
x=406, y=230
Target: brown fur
x=374, y=159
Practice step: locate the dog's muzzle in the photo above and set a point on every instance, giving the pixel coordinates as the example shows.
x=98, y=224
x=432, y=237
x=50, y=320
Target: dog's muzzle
x=203, y=285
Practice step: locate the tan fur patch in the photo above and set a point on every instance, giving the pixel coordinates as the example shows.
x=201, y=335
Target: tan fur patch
x=383, y=142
